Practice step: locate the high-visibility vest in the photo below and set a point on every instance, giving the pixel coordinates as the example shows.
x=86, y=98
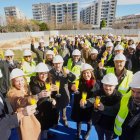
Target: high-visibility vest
x=28, y=69
x=124, y=86
x=122, y=114
x=75, y=70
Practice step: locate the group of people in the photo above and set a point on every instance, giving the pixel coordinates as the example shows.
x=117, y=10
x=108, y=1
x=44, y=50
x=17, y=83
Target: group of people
x=101, y=73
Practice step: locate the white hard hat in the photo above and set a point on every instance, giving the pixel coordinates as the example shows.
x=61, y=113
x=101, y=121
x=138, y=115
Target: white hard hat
x=120, y=57
x=27, y=53
x=119, y=47
x=63, y=42
x=16, y=73
x=1, y=74
x=135, y=83
x=110, y=34
x=76, y=52
x=9, y=53
x=94, y=51
x=50, y=52
x=51, y=40
x=41, y=67
x=99, y=37
x=58, y=59
x=41, y=41
x=108, y=40
x=133, y=46
x=118, y=39
x=86, y=66
x=109, y=44
x=82, y=42
x=110, y=79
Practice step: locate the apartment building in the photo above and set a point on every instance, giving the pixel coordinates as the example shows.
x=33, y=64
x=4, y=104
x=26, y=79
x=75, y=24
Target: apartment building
x=128, y=22
x=97, y=11
x=59, y=13
x=13, y=11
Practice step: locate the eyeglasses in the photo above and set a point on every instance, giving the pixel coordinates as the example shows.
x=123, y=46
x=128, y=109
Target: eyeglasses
x=9, y=56
x=27, y=56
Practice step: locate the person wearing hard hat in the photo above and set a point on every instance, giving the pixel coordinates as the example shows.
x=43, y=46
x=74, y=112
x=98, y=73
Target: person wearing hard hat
x=49, y=59
x=9, y=119
x=64, y=52
x=106, y=105
x=127, y=122
x=46, y=105
x=51, y=46
x=61, y=75
x=124, y=76
x=74, y=63
x=119, y=49
x=136, y=62
x=130, y=55
x=40, y=51
x=20, y=98
x=94, y=61
x=28, y=65
x=82, y=108
x=9, y=58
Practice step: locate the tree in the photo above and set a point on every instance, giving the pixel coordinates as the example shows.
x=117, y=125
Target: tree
x=102, y=24
x=43, y=26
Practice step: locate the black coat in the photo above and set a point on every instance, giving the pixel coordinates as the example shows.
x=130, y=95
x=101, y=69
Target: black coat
x=106, y=118
x=47, y=113
x=83, y=114
x=13, y=66
x=7, y=120
x=64, y=99
x=5, y=82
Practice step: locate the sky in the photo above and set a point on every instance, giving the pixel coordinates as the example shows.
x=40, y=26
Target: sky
x=124, y=7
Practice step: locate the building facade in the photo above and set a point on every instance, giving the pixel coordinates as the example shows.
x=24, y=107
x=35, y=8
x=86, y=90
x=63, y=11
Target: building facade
x=14, y=12
x=58, y=13
x=128, y=22
x=97, y=11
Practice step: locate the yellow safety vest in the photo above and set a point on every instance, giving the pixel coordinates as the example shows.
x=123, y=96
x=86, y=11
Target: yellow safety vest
x=75, y=70
x=124, y=86
x=122, y=114
x=28, y=69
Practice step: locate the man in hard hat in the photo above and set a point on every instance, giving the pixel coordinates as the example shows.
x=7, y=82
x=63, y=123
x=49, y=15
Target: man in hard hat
x=119, y=49
x=51, y=46
x=40, y=51
x=28, y=65
x=127, y=123
x=9, y=58
x=62, y=75
x=74, y=64
x=124, y=76
x=106, y=106
x=64, y=52
x=49, y=59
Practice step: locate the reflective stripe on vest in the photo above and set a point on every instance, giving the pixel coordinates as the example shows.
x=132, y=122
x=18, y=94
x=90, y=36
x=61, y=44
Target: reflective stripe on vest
x=122, y=114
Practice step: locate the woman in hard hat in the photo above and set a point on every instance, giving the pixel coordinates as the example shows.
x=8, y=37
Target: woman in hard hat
x=9, y=58
x=41, y=85
x=20, y=98
x=61, y=75
x=28, y=65
x=124, y=76
x=106, y=105
x=82, y=108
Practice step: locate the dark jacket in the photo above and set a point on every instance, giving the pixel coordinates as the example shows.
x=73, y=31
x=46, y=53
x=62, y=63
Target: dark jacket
x=47, y=113
x=131, y=132
x=106, y=118
x=39, y=53
x=62, y=101
x=83, y=114
x=12, y=66
x=7, y=119
x=5, y=82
